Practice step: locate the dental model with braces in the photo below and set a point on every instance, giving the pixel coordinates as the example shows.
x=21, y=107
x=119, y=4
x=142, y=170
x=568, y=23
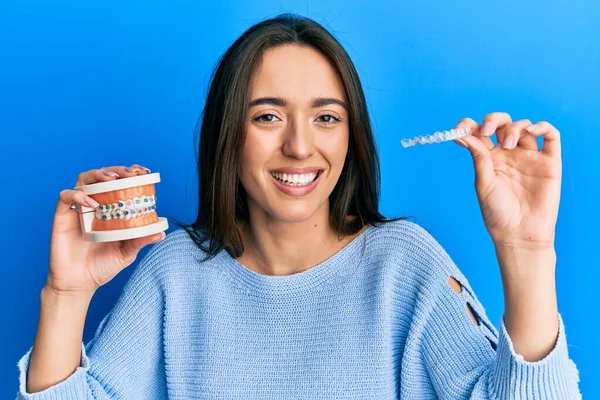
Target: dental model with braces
x=127, y=209
x=437, y=137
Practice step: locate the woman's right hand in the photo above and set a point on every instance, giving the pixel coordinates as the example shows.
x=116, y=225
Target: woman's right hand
x=78, y=266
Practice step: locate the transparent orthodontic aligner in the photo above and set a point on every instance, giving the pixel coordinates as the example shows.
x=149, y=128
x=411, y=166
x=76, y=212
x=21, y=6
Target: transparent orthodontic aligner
x=437, y=137
x=127, y=209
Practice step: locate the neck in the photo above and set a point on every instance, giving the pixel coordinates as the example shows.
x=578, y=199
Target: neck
x=276, y=247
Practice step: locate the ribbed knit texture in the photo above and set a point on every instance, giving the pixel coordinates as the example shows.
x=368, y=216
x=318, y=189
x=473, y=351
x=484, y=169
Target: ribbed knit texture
x=377, y=320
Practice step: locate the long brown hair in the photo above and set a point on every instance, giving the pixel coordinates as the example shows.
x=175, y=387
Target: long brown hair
x=222, y=133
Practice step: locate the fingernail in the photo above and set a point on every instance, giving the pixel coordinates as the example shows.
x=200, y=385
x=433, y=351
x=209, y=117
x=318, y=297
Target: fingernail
x=91, y=202
x=162, y=235
x=108, y=172
x=530, y=129
x=130, y=169
x=508, y=142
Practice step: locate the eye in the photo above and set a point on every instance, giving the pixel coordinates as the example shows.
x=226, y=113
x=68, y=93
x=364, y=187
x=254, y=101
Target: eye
x=270, y=118
x=260, y=119
x=329, y=119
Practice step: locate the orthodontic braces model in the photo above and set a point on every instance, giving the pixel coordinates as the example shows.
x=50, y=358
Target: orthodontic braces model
x=127, y=209
x=437, y=137
x=91, y=220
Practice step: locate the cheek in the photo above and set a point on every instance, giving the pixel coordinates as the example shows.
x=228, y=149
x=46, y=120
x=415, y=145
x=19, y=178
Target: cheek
x=250, y=152
x=253, y=158
x=335, y=151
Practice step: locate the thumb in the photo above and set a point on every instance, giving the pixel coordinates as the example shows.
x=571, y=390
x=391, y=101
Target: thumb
x=132, y=246
x=482, y=160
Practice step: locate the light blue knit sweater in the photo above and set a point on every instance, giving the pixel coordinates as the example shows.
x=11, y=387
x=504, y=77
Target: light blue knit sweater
x=378, y=320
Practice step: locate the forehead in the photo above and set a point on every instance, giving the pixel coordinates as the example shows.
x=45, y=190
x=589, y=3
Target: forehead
x=295, y=72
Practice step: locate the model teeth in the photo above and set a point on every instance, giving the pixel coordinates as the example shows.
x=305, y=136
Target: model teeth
x=127, y=208
x=295, y=179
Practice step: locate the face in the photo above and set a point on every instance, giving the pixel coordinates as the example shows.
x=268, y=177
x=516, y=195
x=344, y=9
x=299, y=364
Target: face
x=296, y=134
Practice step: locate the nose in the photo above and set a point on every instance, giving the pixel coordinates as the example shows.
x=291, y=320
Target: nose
x=298, y=139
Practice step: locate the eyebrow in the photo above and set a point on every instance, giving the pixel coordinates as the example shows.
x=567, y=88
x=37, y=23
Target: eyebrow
x=281, y=102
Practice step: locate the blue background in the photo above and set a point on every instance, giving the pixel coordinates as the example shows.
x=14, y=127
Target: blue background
x=81, y=83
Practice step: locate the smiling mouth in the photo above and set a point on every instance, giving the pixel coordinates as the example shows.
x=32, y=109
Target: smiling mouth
x=296, y=180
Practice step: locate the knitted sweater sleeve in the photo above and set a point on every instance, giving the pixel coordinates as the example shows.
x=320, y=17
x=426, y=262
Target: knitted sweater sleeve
x=465, y=360
x=124, y=360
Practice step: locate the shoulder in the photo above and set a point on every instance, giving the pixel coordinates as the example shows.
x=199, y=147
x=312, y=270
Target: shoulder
x=413, y=248
x=174, y=252
x=177, y=243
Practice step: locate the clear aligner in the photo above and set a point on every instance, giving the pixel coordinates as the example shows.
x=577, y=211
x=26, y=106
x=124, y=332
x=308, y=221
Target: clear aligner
x=437, y=137
x=127, y=209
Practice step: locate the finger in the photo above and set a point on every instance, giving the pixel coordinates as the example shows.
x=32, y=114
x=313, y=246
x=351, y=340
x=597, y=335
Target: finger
x=475, y=131
x=495, y=122
x=516, y=135
x=104, y=174
x=131, y=247
x=145, y=170
x=100, y=175
x=551, y=143
x=132, y=170
x=135, y=170
x=68, y=197
x=482, y=161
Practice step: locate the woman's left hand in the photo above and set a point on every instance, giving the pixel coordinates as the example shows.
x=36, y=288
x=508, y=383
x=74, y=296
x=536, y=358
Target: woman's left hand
x=517, y=184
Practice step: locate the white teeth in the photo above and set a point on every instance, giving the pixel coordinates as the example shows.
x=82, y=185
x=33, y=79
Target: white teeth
x=295, y=179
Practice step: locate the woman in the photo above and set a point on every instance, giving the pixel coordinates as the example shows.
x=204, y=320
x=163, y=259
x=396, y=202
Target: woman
x=290, y=283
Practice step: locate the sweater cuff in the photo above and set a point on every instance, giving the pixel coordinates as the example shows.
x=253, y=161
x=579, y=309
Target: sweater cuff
x=515, y=378
x=70, y=388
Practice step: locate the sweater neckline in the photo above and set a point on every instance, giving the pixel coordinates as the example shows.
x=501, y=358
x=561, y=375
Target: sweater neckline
x=340, y=265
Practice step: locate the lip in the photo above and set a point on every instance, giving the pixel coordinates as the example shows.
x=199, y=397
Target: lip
x=297, y=190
